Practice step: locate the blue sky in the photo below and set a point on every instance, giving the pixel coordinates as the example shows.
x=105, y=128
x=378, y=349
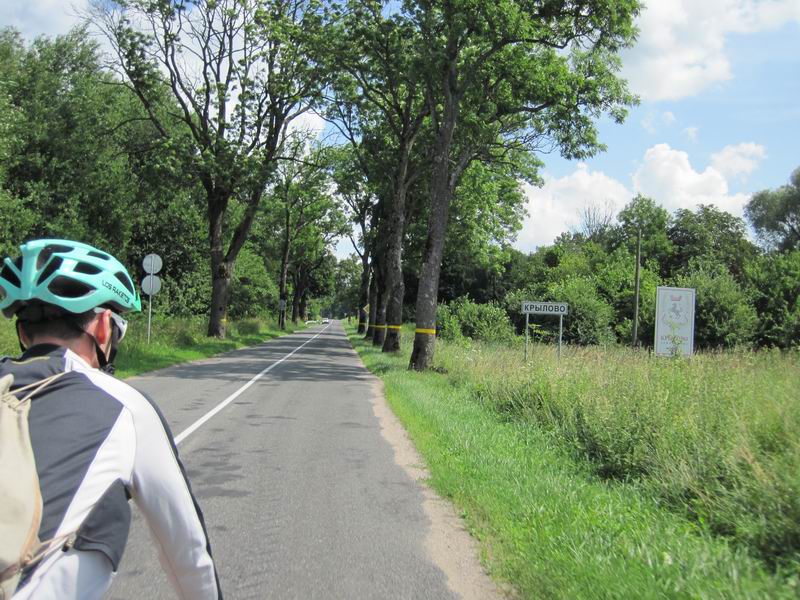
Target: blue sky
x=719, y=119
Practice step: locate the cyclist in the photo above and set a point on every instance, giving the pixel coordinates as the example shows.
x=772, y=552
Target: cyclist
x=96, y=440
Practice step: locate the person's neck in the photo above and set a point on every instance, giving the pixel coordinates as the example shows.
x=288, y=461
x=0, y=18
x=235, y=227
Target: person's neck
x=81, y=346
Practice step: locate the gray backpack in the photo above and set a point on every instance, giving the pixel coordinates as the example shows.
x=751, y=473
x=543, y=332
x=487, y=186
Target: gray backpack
x=20, y=497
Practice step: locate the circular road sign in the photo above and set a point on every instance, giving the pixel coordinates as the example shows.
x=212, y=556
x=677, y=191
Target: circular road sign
x=152, y=263
x=151, y=285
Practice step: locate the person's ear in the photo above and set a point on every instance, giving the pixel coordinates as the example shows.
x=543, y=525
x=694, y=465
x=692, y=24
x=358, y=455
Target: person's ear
x=24, y=340
x=101, y=327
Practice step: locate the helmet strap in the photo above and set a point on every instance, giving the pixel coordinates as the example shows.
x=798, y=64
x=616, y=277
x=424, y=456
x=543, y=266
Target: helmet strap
x=105, y=362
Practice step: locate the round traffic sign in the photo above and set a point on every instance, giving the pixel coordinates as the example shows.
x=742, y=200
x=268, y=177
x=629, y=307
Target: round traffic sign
x=152, y=263
x=151, y=285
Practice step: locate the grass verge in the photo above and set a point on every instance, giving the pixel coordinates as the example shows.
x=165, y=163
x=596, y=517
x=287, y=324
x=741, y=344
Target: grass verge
x=547, y=524
x=172, y=341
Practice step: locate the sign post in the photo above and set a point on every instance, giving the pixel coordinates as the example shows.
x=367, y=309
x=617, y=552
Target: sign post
x=674, y=321
x=151, y=284
x=545, y=308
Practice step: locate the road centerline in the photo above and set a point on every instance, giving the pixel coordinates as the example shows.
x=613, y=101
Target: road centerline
x=210, y=414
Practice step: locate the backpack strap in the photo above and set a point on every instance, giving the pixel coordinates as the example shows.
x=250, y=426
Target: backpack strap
x=37, y=386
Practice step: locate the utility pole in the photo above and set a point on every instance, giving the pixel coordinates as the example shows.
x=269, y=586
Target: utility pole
x=635, y=341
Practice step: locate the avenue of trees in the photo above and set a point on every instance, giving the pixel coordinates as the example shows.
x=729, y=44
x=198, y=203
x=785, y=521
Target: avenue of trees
x=189, y=137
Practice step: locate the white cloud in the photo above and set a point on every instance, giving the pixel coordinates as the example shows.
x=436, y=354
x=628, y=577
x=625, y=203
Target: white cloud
x=667, y=176
x=681, y=46
x=309, y=122
x=555, y=207
x=738, y=160
x=691, y=133
x=664, y=174
x=41, y=17
x=653, y=120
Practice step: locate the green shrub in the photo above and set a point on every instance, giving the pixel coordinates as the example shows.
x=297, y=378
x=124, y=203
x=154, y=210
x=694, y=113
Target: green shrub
x=590, y=317
x=253, y=291
x=484, y=322
x=248, y=327
x=724, y=316
x=447, y=323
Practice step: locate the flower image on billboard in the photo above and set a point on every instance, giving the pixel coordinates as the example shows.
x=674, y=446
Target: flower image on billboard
x=674, y=321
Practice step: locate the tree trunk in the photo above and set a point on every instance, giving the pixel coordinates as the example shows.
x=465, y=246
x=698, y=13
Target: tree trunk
x=373, y=301
x=394, y=287
x=363, y=294
x=442, y=184
x=220, y=269
x=220, y=295
x=379, y=331
x=297, y=293
x=282, y=286
x=304, y=307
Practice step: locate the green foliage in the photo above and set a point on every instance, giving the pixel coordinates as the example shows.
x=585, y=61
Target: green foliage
x=775, y=279
x=724, y=316
x=447, y=323
x=484, y=322
x=253, y=292
x=775, y=214
x=709, y=235
x=643, y=215
x=590, y=317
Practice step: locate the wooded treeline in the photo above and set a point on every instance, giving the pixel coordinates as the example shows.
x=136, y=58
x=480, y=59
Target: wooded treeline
x=187, y=138
x=747, y=295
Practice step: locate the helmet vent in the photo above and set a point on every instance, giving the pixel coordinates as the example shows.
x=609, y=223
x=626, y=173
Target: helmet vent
x=99, y=255
x=9, y=275
x=51, y=268
x=124, y=280
x=86, y=269
x=48, y=251
x=69, y=288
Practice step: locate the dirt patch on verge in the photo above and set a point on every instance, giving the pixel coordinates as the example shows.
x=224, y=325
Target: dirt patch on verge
x=450, y=546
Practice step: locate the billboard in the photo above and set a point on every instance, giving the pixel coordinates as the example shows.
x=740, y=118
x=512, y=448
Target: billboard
x=674, y=321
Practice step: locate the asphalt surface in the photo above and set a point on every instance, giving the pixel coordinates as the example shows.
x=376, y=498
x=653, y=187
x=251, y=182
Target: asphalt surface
x=301, y=494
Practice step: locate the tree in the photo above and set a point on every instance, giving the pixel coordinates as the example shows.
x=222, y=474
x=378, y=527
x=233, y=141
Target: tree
x=529, y=75
x=642, y=214
x=708, y=235
x=240, y=71
x=378, y=57
x=359, y=202
x=775, y=215
x=15, y=218
x=299, y=205
x=724, y=316
x=775, y=283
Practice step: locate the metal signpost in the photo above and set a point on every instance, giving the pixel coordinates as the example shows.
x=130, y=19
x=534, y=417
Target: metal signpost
x=151, y=284
x=674, y=321
x=545, y=308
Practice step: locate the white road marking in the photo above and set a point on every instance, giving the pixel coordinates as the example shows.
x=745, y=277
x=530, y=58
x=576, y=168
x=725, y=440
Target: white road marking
x=202, y=420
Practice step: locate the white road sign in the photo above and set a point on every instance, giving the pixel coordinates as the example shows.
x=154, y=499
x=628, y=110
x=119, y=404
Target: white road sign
x=152, y=263
x=674, y=321
x=151, y=285
x=545, y=308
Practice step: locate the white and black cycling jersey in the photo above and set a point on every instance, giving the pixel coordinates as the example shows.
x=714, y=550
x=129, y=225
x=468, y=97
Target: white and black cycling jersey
x=97, y=443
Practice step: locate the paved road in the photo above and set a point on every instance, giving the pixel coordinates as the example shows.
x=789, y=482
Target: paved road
x=301, y=492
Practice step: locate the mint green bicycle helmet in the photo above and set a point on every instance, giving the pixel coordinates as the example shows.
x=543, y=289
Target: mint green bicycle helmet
x=68, y=275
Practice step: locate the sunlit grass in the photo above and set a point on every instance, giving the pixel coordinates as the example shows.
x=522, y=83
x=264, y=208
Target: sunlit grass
x=172, y=341
x=585, y=506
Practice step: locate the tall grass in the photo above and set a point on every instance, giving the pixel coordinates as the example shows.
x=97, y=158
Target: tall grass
x=715, y=437
x=546, y=522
